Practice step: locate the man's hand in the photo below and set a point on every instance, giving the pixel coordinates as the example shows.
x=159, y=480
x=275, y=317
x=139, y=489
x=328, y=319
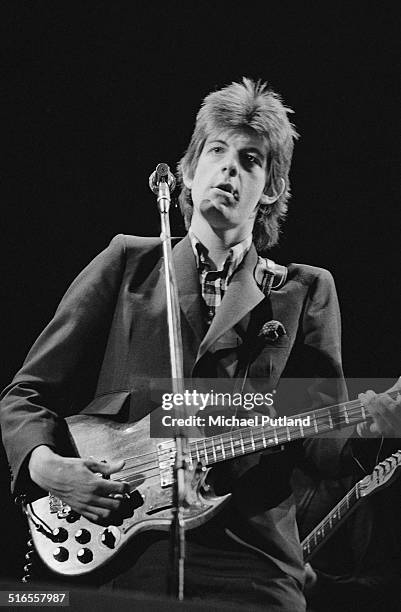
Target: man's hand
x=310, y=577
x=384, y=411
x=75, y=482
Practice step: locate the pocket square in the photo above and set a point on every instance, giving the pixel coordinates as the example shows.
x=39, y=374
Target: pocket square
x=272, y=330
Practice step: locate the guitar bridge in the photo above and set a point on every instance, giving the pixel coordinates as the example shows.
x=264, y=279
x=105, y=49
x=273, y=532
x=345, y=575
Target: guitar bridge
x=166, y=459
x=55, y=504
x=166, y=453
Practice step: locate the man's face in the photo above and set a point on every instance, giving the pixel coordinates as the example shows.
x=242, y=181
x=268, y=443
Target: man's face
x=229, y=180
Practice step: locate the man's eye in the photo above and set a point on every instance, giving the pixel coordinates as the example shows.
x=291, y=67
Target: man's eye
x=216, y=149
x=252, y=159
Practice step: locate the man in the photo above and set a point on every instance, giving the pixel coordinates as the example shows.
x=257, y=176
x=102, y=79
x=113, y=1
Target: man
x=111, y=328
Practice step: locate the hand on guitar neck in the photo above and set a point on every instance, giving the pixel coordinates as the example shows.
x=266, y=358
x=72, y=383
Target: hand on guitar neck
x=384, y=411
x=76, y=481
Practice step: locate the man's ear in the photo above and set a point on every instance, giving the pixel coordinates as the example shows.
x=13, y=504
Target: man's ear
x=187, y=181
x=270, y=199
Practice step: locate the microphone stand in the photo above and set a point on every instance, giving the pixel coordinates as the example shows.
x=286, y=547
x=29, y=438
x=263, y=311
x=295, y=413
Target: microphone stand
x=160, y=182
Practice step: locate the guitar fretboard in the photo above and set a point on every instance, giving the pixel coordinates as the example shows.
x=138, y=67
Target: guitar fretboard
x=246, y=440
x=330, y=522
x=382, y=474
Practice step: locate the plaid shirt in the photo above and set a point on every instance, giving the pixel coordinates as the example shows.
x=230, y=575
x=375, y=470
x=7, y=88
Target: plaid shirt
x=214, y=282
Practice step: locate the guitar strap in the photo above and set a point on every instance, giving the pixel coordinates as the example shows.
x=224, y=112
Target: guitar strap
x=269, y=277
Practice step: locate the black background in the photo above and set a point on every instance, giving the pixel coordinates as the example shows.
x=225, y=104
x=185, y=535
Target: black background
x=97, y=93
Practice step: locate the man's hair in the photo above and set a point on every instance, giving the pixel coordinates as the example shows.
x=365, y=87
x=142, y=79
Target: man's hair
x=254, y=105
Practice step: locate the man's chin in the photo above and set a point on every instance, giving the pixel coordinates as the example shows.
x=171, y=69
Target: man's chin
x=219, y=216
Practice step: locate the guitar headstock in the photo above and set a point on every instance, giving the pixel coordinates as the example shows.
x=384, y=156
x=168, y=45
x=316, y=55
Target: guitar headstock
x=383, y=474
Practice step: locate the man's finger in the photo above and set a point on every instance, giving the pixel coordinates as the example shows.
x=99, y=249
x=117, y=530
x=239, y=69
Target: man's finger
x=107, y=488
x=104, y=467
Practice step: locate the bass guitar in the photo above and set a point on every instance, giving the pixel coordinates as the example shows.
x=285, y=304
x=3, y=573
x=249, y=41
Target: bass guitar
x=69, y=544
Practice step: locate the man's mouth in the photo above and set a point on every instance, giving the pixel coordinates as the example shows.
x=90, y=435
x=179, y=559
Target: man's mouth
x=228, y=188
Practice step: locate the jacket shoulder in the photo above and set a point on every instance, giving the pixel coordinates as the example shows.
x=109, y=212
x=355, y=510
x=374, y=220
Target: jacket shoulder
x=309, y=275
x=129, y=243
x=136, y=248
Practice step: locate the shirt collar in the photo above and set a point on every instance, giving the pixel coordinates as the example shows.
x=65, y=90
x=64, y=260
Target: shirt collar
x=234, y=258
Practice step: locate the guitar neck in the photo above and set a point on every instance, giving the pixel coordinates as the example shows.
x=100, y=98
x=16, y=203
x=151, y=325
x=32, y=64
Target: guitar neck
x=246, y=440
x=330, y=522
x=382, y=475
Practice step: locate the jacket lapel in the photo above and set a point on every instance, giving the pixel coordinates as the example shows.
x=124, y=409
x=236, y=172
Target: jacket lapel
x=188, y=286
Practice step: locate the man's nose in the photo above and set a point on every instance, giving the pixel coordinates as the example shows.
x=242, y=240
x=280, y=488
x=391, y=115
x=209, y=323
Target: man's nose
x=230, y=165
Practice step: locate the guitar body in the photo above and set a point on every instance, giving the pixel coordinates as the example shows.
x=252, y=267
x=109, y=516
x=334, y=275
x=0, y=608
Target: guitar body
x=70, y=544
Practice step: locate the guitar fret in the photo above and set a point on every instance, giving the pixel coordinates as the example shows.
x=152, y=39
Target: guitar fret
x=214, y=452
x=222, y=447
x=252, y=440
x=232, y=447
x=264, y=439
x=315, y=423
x=242, y=442
x=206, y=456
x=237, y=443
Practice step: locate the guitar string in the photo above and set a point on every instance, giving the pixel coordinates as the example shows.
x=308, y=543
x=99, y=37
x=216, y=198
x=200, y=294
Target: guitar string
x=258, y=436
x=135, y=480
x=352, y=497
x=351, y=407
x=262, y=432
x=237, y=437
x=318, y=418
x=335, y=515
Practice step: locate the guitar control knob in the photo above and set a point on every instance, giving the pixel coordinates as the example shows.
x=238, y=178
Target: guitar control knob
x=60, y=534
x=64, y=512
x=82, y=536
x=85, y=555
x=61, y=554
x=108, y=538
x=72, y=516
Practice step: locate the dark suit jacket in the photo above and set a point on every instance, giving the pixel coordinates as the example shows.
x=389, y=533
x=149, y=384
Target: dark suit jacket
x=109, y=338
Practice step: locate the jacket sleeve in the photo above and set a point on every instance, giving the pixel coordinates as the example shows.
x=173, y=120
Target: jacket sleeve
x=321, y=329
x=43, y=391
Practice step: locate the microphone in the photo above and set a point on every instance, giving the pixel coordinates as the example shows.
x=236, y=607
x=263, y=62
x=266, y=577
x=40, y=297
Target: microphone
x=162, y=174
